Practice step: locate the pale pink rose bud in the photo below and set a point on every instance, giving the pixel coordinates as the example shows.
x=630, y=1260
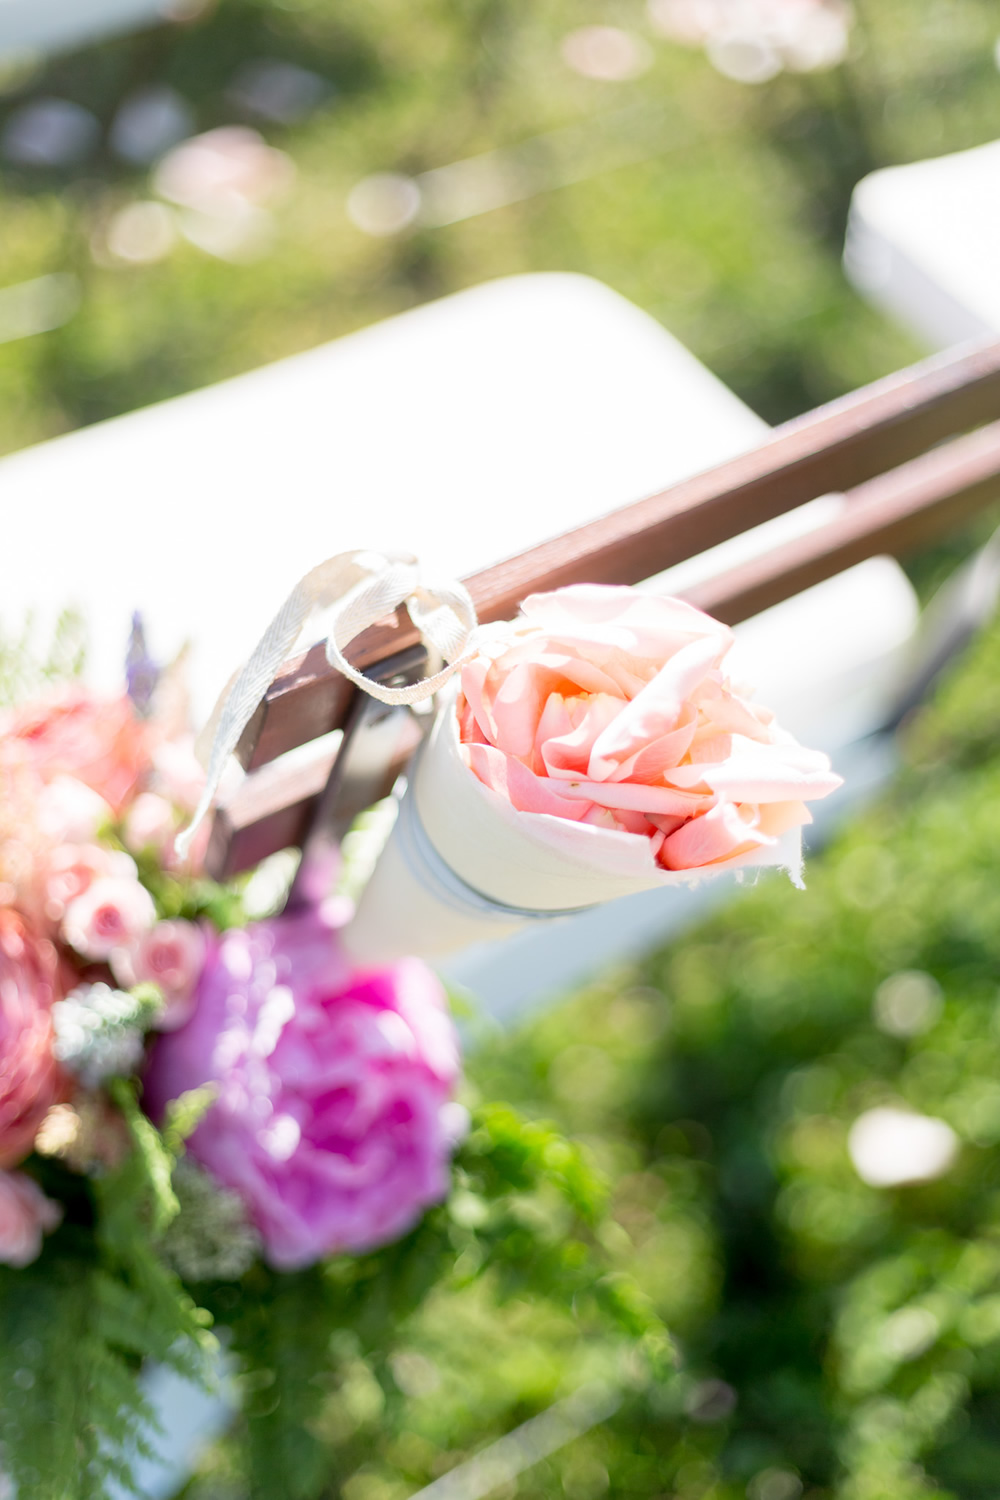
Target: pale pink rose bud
x=171, y=955
x=111, y=914
x=149, y=823
x=69, y=812
x=72, y=869
x=180, y=776
x=25, y=1215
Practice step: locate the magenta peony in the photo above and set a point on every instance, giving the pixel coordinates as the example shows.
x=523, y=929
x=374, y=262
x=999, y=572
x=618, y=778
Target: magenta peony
x=30, y=1078
x=333, y=1119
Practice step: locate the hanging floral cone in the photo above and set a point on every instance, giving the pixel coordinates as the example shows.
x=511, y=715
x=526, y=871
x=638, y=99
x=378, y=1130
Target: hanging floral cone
x=595, y=748
x=463, y=866
x=595, y=752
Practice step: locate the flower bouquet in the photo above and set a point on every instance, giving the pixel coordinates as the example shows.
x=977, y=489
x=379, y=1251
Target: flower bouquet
x=218, y=1122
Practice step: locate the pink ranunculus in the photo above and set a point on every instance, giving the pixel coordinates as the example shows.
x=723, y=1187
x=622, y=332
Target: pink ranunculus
x=72, y=733
x=25, y=1215
x=113, y=912
x=333, y=1119
x=30, y=1078
x=610, y=707
x=169, y=955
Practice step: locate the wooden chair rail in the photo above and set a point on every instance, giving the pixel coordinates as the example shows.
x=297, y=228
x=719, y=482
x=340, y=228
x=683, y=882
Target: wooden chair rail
x=894, y=513
x=877, y=445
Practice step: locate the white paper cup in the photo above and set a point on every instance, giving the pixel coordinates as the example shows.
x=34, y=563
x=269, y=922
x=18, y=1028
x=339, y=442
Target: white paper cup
x=463, y=866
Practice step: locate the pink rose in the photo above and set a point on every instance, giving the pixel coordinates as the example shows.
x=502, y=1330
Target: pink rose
x=169, y=955
x=610, y=707
x=112, y=913
x=71, y=869
x=22, y=843
x=25, y=1215
x=178, y=773
x=100, y=743
x=71, y=812
x=150, y=823
x=333, y=1119
x=30, y=1079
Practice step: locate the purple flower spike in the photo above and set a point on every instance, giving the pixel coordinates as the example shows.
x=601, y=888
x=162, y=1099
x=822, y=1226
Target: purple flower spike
x=141, y=671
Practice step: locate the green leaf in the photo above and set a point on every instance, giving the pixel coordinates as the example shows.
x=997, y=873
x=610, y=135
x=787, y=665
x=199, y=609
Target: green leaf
x=184, y=1114
x=151, y=1153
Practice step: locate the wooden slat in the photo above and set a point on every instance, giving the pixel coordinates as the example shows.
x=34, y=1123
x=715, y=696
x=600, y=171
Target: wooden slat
x=837, y=447
x=907, y=508
x=272, y=809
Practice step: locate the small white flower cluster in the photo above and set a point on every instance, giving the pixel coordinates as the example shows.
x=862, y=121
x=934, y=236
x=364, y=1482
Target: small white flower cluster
x=211, y=1238
x=99, y=1032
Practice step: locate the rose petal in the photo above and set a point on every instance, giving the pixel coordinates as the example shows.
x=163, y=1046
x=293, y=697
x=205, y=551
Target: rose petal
x=641, y=624
x=725, y=713
x=666, y=823
x=489, y=764
x=762, y=773
x=515, y=703
x=633, y=822
x=777, y=818
x=473, y=683
x=600, y=817
x=575, y=670
x=469, y=731
x=566, y=753
x=628, y=673
x=524, y=790
x=650, y=763
x=719, y=835
x=514, y=696
x=553, y=725
x=637, y=798
x=710, y=749
x=657, y=709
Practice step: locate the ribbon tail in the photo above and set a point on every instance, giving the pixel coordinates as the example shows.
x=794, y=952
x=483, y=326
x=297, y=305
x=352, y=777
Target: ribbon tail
x=240, y=700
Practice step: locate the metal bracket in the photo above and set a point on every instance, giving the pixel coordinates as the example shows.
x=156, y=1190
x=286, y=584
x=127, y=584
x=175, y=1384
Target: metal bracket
x=379, y=739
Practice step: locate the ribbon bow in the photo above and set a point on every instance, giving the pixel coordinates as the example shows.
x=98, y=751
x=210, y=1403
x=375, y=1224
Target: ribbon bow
x=353, y=591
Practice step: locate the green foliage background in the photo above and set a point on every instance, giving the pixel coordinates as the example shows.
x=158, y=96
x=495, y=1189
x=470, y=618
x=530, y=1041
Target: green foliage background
x=710, y=1089
x=729, y=229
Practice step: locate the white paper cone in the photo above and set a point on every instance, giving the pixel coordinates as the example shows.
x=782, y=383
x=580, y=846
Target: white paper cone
x=463, y=866
x=414, y=905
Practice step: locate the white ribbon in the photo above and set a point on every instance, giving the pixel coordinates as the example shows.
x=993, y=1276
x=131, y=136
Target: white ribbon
x=354, y=590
